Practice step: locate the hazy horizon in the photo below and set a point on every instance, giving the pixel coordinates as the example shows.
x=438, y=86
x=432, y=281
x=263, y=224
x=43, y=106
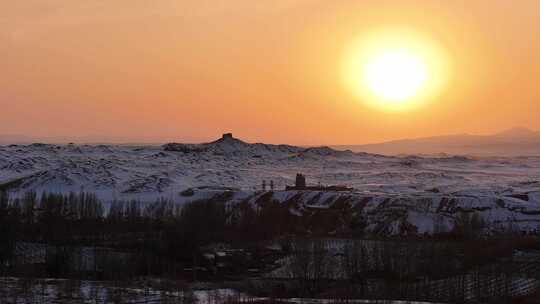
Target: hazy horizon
x=102, y=139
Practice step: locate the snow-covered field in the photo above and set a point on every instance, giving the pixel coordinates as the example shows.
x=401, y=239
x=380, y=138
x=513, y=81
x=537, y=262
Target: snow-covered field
x=426, y=190
x=152, y=171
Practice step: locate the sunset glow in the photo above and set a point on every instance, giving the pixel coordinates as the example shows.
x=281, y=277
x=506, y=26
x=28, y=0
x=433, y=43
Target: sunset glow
x=395, y=70
x=395, y=75
x=305, y=72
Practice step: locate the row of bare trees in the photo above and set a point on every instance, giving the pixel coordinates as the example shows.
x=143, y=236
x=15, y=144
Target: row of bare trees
x=443, y=271
x=162, y=239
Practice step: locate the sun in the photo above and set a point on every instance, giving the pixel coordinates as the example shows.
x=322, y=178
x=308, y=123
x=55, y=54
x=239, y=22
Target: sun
x=395, y=69
x=395, y=75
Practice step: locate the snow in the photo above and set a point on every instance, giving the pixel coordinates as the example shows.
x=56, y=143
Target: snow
x=423, y=222
x=150, y=171
x=13, y=290
x=419, y=188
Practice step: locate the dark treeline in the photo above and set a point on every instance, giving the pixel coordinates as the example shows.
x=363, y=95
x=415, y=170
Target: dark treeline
x=81, y=218
x=421, y=270
x=159, y=238
x=76, y=235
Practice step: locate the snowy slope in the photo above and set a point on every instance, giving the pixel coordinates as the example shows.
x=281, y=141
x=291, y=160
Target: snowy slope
x=149, y=172
x=155, y=171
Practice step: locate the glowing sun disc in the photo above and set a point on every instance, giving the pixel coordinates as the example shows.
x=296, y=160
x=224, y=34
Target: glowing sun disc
x=395, y=75
x=395, y=69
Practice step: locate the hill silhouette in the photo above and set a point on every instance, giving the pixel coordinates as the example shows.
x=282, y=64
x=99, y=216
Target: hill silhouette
x=512, y=142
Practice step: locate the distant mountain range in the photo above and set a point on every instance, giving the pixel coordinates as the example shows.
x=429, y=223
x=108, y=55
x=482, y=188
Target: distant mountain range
x=512, y=142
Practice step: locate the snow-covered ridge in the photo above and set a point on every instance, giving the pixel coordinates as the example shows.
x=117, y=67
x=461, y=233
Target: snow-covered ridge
x=421, y=213
x=149, y=172
x=230, y=146
x=415, y=193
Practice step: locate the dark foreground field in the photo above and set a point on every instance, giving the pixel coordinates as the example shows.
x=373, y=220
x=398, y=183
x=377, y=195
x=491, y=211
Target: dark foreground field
x=66, y=249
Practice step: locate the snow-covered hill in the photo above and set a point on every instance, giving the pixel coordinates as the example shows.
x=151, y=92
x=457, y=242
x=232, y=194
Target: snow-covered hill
x=417, y=184
x=411, y=214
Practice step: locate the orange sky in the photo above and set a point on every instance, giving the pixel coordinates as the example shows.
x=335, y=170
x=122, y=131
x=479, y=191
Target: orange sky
x=265, y=70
